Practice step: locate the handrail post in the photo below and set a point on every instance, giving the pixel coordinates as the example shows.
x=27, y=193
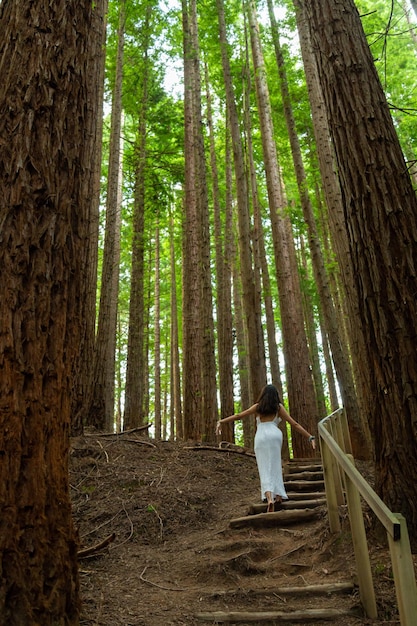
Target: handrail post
x=346, y=433
x=360, y=545
x=330, y=487
x=404, y=578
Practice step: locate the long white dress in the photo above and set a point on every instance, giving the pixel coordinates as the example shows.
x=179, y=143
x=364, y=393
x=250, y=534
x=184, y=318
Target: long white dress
x=268, y=444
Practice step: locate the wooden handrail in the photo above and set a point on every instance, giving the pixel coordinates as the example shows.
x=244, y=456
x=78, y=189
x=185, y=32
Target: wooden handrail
x=341, y=475
x=386, y=517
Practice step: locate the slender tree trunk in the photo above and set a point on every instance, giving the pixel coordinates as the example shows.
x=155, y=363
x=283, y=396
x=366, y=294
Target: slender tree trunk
x=209, y=410
x=135, y=393
x=192, y=339
x=157, y=339
x=175, y=383
x=102, y=407
x=301, y=394
x=260, y=243
x=223, y=282
x=380, y=208
x=257, y=365
x=47, y=133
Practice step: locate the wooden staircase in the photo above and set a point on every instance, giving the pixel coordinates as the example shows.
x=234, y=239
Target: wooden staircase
x=303, y=479
x=304, y=483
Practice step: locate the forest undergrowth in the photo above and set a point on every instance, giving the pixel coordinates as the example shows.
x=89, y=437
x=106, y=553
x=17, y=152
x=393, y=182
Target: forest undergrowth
x=164, y=508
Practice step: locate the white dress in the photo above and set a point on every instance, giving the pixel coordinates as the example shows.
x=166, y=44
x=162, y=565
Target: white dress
x=268, y=444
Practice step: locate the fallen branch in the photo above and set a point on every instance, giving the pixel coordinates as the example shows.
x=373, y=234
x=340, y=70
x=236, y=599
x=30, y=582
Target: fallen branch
x=123, y=432
x=310, y=615
x=99, y=546
x=242, y=452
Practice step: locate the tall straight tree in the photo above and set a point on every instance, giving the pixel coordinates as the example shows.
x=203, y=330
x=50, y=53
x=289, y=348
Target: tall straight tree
x=47, y=127
x=102, y=407
x=256, y=352
x=339, y=352
x=301, y=394
x=134, y=413
x=199, y=373
x=380, y=208
x=334, y=202
x=222, y=236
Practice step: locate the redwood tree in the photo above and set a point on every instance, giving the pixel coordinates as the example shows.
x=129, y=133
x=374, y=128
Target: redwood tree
x=380, y=210
x=48, y=53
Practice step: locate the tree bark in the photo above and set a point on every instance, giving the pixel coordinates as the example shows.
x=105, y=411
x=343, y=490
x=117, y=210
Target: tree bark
x=48, y=111
x=256, y=353
x=101, y=413
x=135, y=386
x=222, y=236
x=380, y=209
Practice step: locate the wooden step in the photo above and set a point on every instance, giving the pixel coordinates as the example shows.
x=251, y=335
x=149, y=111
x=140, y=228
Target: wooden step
x=318, y=475
x=291, y=469
x=336, y=587
x=287, y=505
x=278, y=518
x=305, y=495
x=303, y=485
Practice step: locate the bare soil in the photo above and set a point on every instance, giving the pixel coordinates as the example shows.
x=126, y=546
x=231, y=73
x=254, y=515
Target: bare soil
x=174, y=555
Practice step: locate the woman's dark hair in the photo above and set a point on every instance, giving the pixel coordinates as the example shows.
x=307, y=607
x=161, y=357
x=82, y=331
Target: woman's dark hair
x=268, y=401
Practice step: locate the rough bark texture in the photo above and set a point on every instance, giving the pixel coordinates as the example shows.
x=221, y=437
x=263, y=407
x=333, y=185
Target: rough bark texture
x=381, y=216
x=354, y=407
x=192, y=340
x=46, y=133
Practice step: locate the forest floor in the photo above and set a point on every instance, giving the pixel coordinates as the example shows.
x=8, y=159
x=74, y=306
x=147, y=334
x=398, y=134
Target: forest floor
x=175, y=556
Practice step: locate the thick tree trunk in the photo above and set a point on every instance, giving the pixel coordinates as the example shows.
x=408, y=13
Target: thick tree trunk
x=340, y=357
x=47, y=129
x=380, y=208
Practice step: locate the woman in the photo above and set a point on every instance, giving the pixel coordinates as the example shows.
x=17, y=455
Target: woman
x=269, y=413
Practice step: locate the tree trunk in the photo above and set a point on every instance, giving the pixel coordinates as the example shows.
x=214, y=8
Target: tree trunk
x=175, y=383
x=102, y=407
x=222, y=237
x=84, y=370
x=341, y=361
x=134, y=411
x=209, y=411
x=192, y=342
x=48, y=114
x=256, y=354
x=380, y=209
x=157, y=338
x=300, y=386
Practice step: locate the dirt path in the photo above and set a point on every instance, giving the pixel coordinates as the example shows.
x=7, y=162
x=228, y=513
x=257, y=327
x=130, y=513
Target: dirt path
x=175, y=557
